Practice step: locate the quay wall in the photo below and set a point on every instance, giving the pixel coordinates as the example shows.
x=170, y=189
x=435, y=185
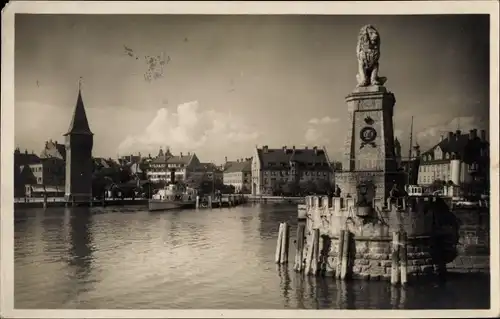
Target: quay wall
x=274, y=199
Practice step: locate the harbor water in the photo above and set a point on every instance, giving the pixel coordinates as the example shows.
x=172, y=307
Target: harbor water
x=128, y=258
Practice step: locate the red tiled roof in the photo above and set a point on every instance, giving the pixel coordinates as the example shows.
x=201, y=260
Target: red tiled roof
x=185, y=159
x=233, y=167
x=53, y=149
x=210, y=167
x=462, y=145
x=281, y=158
x=26, y=159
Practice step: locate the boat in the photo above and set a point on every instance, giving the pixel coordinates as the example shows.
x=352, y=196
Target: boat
x=173, y=196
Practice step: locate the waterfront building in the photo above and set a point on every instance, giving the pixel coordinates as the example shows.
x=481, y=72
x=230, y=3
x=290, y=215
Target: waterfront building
x=239, y=174
x=460, y=158
x=23, y=174
x=162, y=165
x=33, y=173
x=211, y=172
x=204, y=173
x=271, y=168
x=79, y=162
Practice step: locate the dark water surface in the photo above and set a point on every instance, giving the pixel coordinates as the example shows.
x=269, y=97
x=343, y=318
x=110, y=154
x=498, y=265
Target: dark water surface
x=222, y=258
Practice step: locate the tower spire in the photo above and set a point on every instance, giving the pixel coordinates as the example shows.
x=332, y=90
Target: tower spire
x=79, y=123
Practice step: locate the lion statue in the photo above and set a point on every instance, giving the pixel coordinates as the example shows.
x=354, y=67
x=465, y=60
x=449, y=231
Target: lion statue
x=368, y=54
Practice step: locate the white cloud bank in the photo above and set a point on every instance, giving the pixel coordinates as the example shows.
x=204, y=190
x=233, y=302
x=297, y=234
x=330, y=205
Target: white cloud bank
x=190, y=129
x=431, y=135
x=324, y=120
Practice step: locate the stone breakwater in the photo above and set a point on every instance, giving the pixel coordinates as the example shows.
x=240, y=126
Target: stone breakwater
x=434, y=238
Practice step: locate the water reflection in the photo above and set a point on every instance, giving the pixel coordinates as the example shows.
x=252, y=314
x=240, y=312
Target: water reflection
x=285, y=283
x=52, y=234
x=80, y=249
x=208, y=259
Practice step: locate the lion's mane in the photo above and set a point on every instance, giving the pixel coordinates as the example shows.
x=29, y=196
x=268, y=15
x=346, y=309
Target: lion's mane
x=368, y=53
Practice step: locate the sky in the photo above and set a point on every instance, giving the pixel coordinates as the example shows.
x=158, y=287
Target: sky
x=229, y=83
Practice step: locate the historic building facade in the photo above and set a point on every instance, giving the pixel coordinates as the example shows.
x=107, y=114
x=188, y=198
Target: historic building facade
x=274, y=167
x=162, y=165
x=460, y=158
x=239, y=174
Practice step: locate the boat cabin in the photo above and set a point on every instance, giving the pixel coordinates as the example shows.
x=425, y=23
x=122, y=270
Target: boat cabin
x=414, y=190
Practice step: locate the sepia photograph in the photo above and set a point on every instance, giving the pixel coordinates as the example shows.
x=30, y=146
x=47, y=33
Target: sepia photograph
x=225, y=159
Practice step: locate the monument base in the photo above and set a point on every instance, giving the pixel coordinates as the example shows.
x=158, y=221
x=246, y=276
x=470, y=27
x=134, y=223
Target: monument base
x=348, y=182
x=370, y=253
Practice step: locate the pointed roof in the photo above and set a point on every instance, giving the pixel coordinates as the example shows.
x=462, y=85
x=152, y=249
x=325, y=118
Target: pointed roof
x=79, y=123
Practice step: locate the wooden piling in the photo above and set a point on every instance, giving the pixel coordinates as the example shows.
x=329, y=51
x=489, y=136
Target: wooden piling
x=395, y=258
x=209, y=202
x=309, y=255
x=315, y=253
x=345, y=254
x=339, y=254
x=285, y=242
x=278, y=244
x=197, y=202
x=299, y=252
x=403, y=258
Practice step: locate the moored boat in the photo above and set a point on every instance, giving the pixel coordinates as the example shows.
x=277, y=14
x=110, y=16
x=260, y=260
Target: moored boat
x=173, y=196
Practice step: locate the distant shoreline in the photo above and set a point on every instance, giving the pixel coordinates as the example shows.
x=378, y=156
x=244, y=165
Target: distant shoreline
x=60, y=202
x=37, y=202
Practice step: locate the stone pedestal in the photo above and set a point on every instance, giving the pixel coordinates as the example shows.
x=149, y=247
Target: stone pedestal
x=369, y=148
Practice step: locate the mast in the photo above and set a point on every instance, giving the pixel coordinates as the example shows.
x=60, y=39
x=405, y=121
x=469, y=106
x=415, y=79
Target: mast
x=411, y=139
x=410, y=164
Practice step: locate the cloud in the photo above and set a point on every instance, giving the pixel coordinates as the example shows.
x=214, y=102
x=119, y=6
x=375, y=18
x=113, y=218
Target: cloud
x=189, y=129
x=431, y=135
x=324, y=120
x=315, y=136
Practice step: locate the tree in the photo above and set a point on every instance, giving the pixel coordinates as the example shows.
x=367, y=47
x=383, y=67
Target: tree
x=437, y=185
x=308, y=187
x=245, y=190
x=323, y=187
x=291, y=188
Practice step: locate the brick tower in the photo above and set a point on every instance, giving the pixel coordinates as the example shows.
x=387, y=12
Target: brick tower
x=79, y=143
